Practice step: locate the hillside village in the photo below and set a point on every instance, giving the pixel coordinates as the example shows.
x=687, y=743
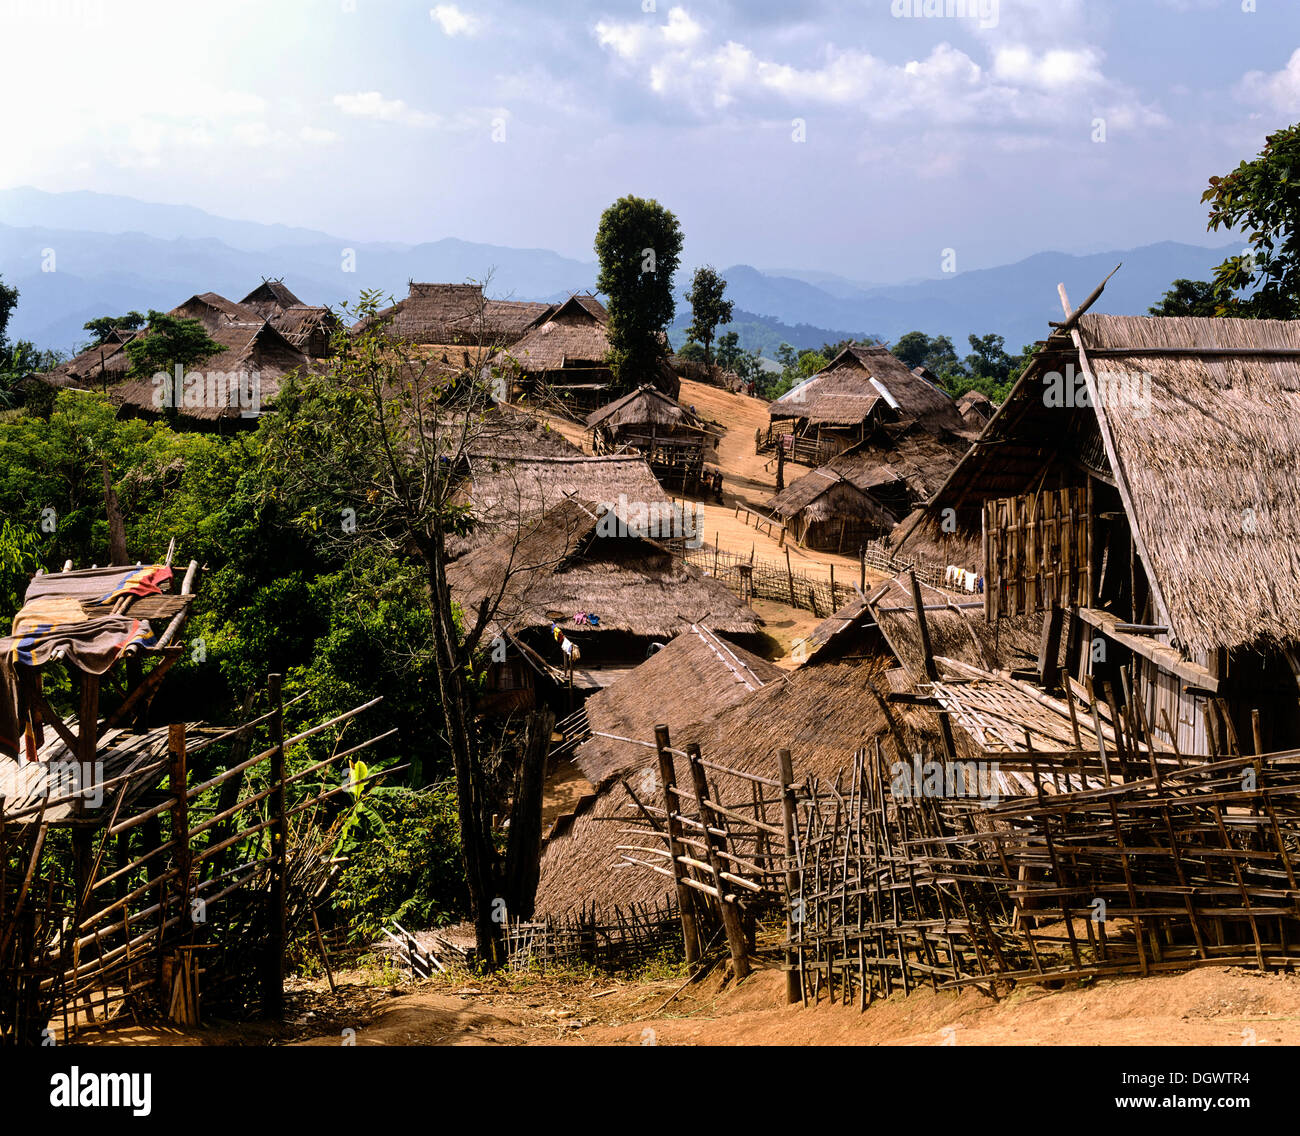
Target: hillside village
x=867, y=687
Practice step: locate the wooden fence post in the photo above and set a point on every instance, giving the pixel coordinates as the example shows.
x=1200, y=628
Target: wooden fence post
x=685, y=901
x=793, y=980
x=730, y=912
x=789, y=575
x=177, y=785
x=273, y=974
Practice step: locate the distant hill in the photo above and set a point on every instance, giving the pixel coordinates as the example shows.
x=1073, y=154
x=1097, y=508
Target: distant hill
x=112, y=254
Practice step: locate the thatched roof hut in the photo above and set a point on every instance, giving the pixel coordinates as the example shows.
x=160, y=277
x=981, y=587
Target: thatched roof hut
x=868, y=489
x=672, y=438
x=579, y=559
x=975, y=408
x=1180, y=437
x=566, y=353
x=457, y=314
x=862, y=386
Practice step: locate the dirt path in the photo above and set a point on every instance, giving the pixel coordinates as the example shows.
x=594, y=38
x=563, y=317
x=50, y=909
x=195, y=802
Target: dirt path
x=1202, y=1007
x=748, y=483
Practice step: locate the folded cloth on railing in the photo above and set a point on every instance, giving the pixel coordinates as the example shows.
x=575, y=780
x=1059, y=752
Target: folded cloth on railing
x=93, y=645
x=101, y=585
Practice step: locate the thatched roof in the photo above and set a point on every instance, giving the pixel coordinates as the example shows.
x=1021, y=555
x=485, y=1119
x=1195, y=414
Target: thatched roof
x=269, y=297
x=572, y=337
x=645, y=406
x=975, y=408
x=95, y=367
x=1206, y=441
x=215, y=311
x=456, y=314
x=882, y=477
x=862, y=383
x=248, y=349
x=504, y=487
x=820, y=713
x=695, y=675
x=571, y=560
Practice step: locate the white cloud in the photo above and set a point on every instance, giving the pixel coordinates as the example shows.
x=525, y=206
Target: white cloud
x=1277, y=90
x=372, y=104
x=1044, y=84
x=454, y=22
x=315, y=136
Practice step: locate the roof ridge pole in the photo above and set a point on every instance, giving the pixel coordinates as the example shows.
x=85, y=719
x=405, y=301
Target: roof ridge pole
x=1121, y=479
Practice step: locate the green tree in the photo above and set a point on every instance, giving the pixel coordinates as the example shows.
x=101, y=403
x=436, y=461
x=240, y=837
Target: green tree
x=1187, y=298
x=1262, y=198
x=692, y=351
x=104, y=326
x=167, y=343
x=382, y=440
x=8, y=301
x=638, y=245
x=709, y=310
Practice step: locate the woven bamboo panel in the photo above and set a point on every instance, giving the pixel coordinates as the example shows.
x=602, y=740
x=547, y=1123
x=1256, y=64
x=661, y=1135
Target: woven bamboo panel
x=1037, y=552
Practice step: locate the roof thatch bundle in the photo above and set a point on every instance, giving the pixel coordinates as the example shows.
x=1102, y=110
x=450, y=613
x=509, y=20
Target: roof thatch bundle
x=574, y=558
x=865, y=383
x=822, y=714
x=695, y=675
x=456, y=314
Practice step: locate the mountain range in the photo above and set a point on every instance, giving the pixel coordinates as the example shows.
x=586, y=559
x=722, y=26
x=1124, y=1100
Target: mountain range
x=77, y=256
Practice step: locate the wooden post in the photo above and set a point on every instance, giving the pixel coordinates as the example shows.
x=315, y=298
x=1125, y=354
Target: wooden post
x=714, y=843
x=793, y=981
x=862, y=572
x=273, y=972
x=1049, y=645
x=87, y=745
x=931, y=669
x=176, y=785
x=789, y=575
x=685, y=901
x=834, y=605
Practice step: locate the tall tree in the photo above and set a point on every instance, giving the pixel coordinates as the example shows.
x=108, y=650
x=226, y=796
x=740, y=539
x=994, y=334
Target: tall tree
x=638, y=245
x=1262, y=198
x=380, y=440
x=709, y=310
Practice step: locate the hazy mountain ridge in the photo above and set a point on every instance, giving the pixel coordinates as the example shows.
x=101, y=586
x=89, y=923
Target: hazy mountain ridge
x=163, y=254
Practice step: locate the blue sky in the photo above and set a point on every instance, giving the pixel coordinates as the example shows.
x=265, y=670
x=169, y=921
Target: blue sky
x=516, y=123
